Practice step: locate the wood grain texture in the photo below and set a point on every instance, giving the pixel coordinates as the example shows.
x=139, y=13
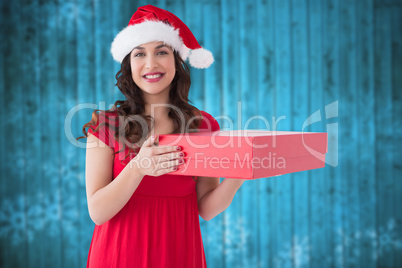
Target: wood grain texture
x=384, y=134
x=15, y=239
x=31, y=116
x=85, y=94
x=340, y=60
x=50, y=124
x=396, y=22
x=232, y=223
x=366, y=128
x=283, y=188
x=332, y=237
x=300, y=111
x=3, y=133
x=214, y=229
x=265, y=104
x=319, y=204
x=67, y=98
x=249, y=106
x=349, y=134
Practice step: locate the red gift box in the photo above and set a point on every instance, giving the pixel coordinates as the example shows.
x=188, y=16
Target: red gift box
x=248, y=154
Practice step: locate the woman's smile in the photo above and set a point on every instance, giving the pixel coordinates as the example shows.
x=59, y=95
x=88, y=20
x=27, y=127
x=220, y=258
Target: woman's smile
x=153, y=77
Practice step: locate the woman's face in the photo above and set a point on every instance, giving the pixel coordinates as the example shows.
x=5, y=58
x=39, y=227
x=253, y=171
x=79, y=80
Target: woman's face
x=153, y=67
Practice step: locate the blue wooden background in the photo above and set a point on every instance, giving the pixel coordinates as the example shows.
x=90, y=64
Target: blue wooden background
x=287, y=58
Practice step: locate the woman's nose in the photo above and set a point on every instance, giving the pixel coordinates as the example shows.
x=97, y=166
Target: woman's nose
x=151, y=62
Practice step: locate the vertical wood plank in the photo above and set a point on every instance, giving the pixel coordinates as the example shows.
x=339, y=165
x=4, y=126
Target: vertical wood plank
x=283, y=107
x=14, y=203
x=319, y=196
x=366, y=130
x=121, y=14
x=3, y=183
x=396, y=22
x=85, y=94
x=230, y=87
x=213, y=241
x=31, y=110
x=69, y=162
x=266, y=74
x=385, y=176
x=272, y=187
x=300, y=101
x=248, y=94
x=348, y=108
x=103, y=28
x=50, y=140
x=334, y=242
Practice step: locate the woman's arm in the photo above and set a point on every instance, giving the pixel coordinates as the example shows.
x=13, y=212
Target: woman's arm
x=214, y=197
x=106, y=197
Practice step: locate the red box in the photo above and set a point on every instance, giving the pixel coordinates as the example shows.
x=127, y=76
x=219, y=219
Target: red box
x=248, y=154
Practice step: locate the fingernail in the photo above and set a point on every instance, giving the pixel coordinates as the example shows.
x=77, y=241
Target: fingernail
x=178, y=148
x=181, y=154
x=175, y=168
x=153, y=136
x=181, y=161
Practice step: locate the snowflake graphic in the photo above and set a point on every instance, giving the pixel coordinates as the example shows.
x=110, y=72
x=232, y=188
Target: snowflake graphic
x=301, y=251
x=235, y=237
x=351, y=242
x=21, y=221
x=298, y=252
x=12, y=220
x=53, y=214
x=387, y=238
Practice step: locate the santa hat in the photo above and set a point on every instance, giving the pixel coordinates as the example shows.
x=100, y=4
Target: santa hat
x=149, y=24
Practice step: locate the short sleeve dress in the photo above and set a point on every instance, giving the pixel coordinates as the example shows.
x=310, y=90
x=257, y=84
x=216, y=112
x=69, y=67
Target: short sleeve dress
x=159, y=226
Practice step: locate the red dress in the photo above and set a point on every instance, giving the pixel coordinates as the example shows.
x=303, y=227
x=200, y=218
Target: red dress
x=158, y=227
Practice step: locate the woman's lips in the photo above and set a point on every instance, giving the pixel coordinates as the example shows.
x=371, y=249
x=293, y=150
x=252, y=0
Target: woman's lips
x=153, y=77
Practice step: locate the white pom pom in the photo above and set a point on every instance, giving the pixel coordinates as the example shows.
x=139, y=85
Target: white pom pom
x=201, y=58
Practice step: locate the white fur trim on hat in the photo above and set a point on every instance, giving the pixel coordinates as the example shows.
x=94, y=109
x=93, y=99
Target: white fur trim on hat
x=201, y=58
x=184, y=52
x=145, y=32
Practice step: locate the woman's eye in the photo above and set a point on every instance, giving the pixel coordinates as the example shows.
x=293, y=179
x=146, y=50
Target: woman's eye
x=139, y=54
x=162, y=53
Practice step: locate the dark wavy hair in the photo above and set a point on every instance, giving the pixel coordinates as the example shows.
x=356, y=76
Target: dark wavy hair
x=136, y=125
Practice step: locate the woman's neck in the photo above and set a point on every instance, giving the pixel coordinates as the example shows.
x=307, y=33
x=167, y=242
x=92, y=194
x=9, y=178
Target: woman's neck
x=160, y=114
x=158, y=105
x=157, y=110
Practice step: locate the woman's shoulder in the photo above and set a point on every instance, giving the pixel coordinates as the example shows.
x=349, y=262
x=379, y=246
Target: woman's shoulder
x=104, y=120
x=104, y=127
x=208, y=122
x=108, y=116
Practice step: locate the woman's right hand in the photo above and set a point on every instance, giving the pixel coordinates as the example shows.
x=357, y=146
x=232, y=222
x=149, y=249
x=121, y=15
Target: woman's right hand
x=155, y=160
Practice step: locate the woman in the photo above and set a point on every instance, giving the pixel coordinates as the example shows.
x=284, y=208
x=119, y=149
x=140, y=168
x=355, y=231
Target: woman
x=145, y=217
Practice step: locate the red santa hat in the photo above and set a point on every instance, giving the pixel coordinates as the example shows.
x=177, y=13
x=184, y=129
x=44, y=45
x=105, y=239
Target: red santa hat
x=149, y=24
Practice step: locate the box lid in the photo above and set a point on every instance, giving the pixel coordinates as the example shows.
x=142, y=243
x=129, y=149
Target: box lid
x=258, y=143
